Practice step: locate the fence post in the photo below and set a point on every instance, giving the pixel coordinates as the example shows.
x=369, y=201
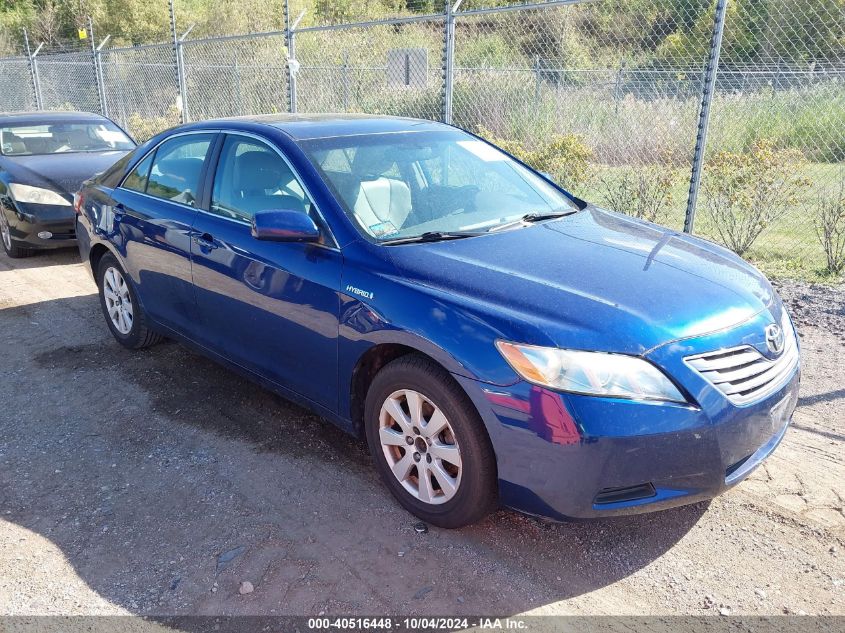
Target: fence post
x=709, y=87
x=33, y=70
x=183, y=76
x=288, y=79
x=95, y=58
x=101, y=79
x=346, y=80
x=293, y=65
x=177, y=65
x=239, y=99
x=449, y=59
x=617, y=88
x=292, y=68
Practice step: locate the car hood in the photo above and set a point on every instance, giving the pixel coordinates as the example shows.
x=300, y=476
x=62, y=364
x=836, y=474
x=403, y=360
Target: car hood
x=63, y=173
x=593, y=280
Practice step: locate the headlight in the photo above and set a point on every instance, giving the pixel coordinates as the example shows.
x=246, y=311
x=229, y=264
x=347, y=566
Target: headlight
x=36, y=195
x=591, y=373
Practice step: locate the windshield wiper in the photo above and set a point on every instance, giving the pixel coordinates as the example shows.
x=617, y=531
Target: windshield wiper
x=537, y=217
x=431, y=236
x=529, y=218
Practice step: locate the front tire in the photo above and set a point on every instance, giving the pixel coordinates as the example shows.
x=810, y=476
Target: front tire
x=9, y=245
x=124, y=314
x=429, y=443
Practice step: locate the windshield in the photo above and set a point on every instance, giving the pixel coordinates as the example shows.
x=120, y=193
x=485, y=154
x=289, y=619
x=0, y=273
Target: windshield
x=62, y=138
x=413, y=183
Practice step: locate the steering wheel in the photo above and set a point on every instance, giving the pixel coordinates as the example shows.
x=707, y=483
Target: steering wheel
x=465, y=197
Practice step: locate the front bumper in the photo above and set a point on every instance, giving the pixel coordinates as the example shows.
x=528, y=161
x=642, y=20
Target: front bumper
x=26, y=221
x=566, y=456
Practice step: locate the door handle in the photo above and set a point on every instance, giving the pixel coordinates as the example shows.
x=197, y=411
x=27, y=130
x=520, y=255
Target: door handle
x=205, y=241
x=119, y=210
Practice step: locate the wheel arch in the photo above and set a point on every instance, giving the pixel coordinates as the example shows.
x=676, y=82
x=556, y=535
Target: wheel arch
x=95, y=255
x=368, y=365
x=375, y=357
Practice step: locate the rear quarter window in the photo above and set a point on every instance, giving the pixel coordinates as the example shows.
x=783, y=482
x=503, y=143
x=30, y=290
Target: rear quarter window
x=113, y=175
x=137, y=179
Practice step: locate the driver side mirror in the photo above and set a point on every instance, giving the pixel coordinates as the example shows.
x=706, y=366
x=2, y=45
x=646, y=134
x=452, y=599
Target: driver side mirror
x=284, y=225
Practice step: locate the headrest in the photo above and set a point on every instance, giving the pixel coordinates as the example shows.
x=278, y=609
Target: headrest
x=259, y=171
x=13, y=144
x=184, y=170
x=372, y=162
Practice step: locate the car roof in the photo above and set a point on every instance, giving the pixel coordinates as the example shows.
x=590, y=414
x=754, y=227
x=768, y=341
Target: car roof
x=310, y=126
x=47, y=116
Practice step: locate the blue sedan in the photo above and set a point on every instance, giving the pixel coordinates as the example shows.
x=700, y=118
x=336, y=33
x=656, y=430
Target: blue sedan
x=496, y=340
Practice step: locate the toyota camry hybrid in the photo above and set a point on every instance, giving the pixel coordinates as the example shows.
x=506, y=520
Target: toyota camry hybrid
x=44, y=158
x=496, y=340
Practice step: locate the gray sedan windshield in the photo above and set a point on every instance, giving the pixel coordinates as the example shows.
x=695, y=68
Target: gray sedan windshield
x=61, y=138
x=408, y=184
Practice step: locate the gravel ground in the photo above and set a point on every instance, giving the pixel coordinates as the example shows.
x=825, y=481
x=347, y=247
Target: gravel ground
x=157, y=482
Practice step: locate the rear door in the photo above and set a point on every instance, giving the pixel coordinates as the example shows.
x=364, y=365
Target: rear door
x=271, y=307
x=155, y=208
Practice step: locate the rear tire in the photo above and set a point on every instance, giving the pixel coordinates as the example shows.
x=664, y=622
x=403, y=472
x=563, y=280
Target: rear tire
x=124, y=314
x=9, y=245
x=429, y=444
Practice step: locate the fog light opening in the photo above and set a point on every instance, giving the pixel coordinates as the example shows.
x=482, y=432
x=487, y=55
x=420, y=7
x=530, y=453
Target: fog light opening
x=629, y=493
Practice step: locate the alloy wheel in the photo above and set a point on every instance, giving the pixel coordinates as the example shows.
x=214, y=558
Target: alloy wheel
x=118, y=300
x=420, y=447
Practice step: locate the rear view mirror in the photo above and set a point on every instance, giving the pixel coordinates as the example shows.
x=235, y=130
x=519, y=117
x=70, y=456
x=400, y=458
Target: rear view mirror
x=284, y=225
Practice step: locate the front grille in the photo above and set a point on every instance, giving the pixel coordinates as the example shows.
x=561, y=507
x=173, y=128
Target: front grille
x=743, y=374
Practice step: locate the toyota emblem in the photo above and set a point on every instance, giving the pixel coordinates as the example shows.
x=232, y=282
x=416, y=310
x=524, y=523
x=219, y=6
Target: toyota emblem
x=774, y=338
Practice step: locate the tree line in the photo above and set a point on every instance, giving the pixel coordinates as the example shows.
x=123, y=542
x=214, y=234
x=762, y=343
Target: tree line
x=647, y=31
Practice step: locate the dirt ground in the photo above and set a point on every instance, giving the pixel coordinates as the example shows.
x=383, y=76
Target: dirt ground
x=156, y=482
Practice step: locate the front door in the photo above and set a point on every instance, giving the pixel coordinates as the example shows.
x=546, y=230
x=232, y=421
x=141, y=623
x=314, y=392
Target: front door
x=271, y=307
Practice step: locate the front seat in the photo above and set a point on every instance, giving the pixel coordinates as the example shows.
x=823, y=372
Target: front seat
x=13, y=144
x=380, y=201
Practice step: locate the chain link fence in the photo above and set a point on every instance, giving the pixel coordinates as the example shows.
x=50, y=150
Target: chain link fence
x=66, y=81
x=140, y=88
x=16, y=87
x=608, y=117
x=612, y=97
x=235, y=76
x=773, y=187
x=390, y=68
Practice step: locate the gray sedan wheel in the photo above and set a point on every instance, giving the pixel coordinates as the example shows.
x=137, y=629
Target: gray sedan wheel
x=9, y=245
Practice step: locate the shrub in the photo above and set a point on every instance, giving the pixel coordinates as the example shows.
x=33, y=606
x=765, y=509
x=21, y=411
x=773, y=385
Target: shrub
x=744, y=193
x=643, y=192
x=141, y=128
x=830, y=228
x=563, y=156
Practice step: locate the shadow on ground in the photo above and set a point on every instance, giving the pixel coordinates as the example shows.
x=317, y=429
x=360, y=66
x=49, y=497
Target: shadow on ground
x=167, y=480
x=43, y=259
